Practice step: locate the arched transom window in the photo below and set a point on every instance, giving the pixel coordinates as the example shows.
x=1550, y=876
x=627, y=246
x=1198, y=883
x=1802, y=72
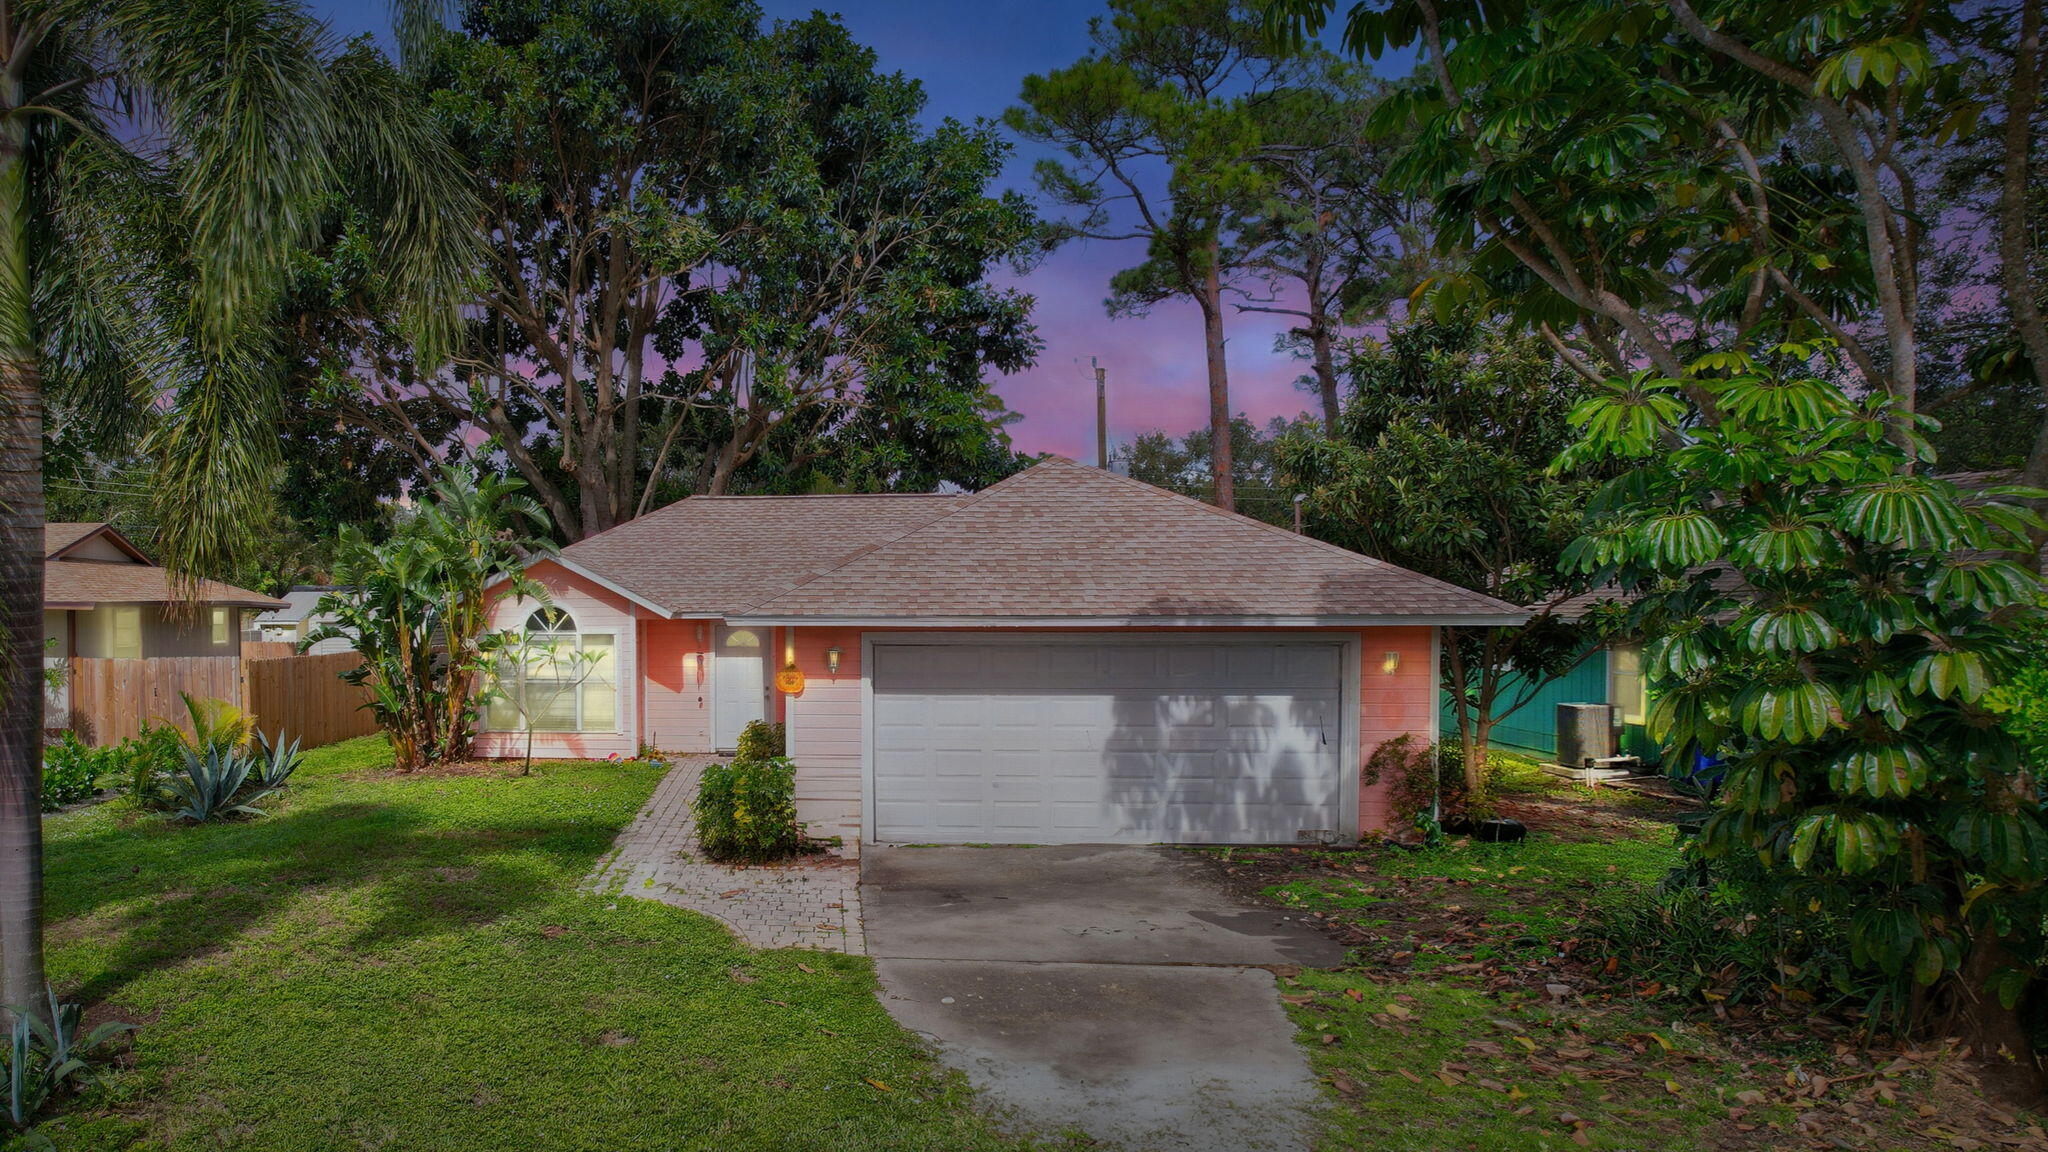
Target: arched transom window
x=555, y=677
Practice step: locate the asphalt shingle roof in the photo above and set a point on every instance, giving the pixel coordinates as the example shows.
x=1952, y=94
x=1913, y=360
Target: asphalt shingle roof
x=1059, y=540
x=69, y=582
x=86, y=582
x=717, y=555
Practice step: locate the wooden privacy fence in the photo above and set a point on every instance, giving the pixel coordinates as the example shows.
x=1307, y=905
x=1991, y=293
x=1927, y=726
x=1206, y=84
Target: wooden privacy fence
x=306, y=696
x=268, y=649
x=111, y=700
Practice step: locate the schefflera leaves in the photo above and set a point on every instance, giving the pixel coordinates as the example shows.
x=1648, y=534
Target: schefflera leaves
x=1788, y=630
x=1682, y=539
x=1951, y=674
x=1878, y=694
x=1784, y=545
x=1795, y=712
x=1905, y=513
x=1984, y=583
x=1861, y=841
x=1873, y=611
x=1878, y=770
x=2010, y=843
x=1679, y=656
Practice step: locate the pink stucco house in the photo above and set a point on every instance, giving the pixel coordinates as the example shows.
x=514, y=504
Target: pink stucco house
x=1069, y=656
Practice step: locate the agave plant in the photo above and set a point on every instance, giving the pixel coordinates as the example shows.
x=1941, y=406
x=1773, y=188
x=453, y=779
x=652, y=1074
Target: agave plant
x=276, y=762
x=211, y=787
x=45, y=1052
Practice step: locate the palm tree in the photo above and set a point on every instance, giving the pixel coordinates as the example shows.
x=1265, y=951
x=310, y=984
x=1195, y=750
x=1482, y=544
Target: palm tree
x=160, y=163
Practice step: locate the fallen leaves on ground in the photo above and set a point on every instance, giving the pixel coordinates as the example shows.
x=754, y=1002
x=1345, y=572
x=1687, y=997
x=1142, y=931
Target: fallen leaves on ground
x=1783, y=1075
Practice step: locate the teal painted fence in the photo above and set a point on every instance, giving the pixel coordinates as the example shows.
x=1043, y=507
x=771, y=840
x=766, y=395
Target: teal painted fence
x=1532, y=728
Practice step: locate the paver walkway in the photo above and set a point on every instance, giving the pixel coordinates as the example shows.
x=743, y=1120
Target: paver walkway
x=811, y=903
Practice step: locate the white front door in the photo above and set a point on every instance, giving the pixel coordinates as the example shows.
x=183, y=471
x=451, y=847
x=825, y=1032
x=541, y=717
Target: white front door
x=739, y=684
x=1109, y=741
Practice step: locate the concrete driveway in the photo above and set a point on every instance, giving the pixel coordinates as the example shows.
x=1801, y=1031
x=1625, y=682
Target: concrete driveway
x=1110, y=990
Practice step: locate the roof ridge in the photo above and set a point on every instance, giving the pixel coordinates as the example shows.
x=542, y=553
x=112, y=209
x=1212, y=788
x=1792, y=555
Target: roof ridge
x=651, y=514
x=1302, y=537
x=967, y=501
x=819, y=496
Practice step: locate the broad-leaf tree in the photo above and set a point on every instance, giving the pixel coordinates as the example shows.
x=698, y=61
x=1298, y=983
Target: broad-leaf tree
x=160, y=163
x=1172, y=85
x=711, y=242
x=1639, y=180
x=1441, y=464
x=1181, y=464
x=1847, y=675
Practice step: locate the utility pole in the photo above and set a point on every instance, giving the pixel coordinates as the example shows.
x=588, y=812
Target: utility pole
x=1101, y=415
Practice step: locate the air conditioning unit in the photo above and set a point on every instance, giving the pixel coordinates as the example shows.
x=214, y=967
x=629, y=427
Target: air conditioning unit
x=1585, y=734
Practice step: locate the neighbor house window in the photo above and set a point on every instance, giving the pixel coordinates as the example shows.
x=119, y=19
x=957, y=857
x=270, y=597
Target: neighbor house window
x=564, y=683
x=220, y=627
x=1627, y=689
x=121, y=631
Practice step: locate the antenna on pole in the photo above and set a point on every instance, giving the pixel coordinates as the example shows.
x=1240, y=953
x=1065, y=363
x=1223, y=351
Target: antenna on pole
x=1101, y=415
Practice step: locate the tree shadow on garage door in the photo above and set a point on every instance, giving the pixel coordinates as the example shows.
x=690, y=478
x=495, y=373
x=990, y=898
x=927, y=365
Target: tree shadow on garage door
x=1253, y=756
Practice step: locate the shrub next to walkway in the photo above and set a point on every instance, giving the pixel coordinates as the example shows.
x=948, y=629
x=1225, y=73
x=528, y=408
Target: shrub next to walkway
x=746, y=810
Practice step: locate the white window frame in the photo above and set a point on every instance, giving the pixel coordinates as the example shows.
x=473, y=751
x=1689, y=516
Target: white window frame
x=618, y=694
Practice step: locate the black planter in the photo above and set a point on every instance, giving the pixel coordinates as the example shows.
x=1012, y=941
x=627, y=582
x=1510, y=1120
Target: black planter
x=1488, y=831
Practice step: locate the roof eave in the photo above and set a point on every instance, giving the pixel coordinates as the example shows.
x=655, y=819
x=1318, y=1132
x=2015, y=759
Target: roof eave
x=871, y=620
x=604, y=582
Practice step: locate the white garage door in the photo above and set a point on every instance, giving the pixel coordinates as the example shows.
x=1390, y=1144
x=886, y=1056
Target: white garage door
x=1084, y=742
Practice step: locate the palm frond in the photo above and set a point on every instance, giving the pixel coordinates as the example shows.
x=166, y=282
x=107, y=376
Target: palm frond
x=240, y=98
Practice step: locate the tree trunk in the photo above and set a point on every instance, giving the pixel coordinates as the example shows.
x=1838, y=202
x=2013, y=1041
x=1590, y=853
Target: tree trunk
x=1477, y=737
x=1454, y=680
x=21, y=590
x=1321, y=343
x=2004, y=1052
x=2023, y=94
x=1221, y=466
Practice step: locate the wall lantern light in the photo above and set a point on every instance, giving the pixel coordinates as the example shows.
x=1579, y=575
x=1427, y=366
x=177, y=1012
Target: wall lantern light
x=832, y=659
x=1390, y=663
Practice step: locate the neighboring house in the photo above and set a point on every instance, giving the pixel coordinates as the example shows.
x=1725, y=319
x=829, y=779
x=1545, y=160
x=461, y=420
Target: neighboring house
x=102, y=597
x=299, y=618
x=1612, y=674
x=1068, y=656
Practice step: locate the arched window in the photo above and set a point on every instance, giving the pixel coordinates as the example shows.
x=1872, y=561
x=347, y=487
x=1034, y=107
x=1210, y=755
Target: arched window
x=553, y=677
x=551, y=619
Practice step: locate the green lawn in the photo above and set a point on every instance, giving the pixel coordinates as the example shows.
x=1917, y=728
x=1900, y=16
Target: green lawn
x=406, y=963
